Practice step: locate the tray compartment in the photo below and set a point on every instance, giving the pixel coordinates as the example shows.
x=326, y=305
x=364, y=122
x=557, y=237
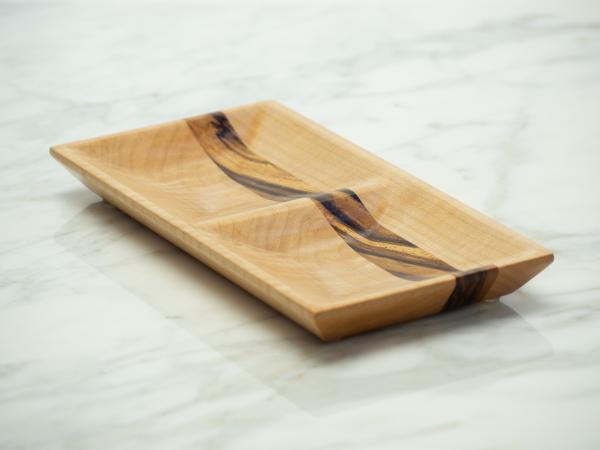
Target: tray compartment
x=328, y=234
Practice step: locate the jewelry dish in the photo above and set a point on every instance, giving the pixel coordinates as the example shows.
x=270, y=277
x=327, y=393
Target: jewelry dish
x=330, y=235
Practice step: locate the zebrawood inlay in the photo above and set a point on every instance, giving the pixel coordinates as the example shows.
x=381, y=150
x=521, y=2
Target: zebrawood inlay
x=343, y=210
x=329, y=235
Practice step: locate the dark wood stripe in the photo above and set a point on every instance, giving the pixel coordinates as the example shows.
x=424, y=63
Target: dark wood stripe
x=348, y=216
x=471, y=286
x=343, y=210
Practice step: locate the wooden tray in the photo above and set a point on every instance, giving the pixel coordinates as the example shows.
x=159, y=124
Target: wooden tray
x=330, y=235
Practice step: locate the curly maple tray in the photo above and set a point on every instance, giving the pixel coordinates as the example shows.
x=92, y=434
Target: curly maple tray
x=330, y=235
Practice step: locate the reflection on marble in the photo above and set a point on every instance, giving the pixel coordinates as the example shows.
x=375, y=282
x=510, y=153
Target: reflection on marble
x=112, y=338
x=231, y=321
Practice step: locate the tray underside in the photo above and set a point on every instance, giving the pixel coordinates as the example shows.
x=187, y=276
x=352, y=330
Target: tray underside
x=330, y=235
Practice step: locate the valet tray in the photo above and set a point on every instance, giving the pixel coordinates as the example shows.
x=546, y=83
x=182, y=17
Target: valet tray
x=328, y=234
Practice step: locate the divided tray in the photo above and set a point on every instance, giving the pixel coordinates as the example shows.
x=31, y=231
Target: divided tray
x=330, y=235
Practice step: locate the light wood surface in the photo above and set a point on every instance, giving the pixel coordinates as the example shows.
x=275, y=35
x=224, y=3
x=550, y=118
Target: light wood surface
x=325, y=232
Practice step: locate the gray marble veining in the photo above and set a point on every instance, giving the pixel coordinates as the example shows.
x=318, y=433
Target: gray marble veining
x=111, y=337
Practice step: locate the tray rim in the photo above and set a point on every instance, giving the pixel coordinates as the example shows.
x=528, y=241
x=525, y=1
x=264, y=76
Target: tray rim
x=307, y=311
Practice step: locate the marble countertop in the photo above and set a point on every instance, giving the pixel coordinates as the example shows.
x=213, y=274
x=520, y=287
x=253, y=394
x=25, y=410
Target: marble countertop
x=112, y=338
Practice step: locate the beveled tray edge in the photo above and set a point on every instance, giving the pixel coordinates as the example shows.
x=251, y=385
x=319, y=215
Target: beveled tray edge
x=315, y=318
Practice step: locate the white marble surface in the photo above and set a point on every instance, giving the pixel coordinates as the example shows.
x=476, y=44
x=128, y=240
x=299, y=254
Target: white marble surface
x=112, y=338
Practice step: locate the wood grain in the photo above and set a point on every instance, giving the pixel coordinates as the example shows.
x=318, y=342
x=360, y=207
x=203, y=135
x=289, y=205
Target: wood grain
x=342, y=208
x=260, y=194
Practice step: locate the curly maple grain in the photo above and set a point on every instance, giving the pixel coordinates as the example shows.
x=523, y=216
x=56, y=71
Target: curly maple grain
x=342, y=208
x=333, y=237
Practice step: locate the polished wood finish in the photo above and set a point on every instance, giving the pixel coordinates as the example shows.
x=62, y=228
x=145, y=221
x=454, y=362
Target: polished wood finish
x=330, y=235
